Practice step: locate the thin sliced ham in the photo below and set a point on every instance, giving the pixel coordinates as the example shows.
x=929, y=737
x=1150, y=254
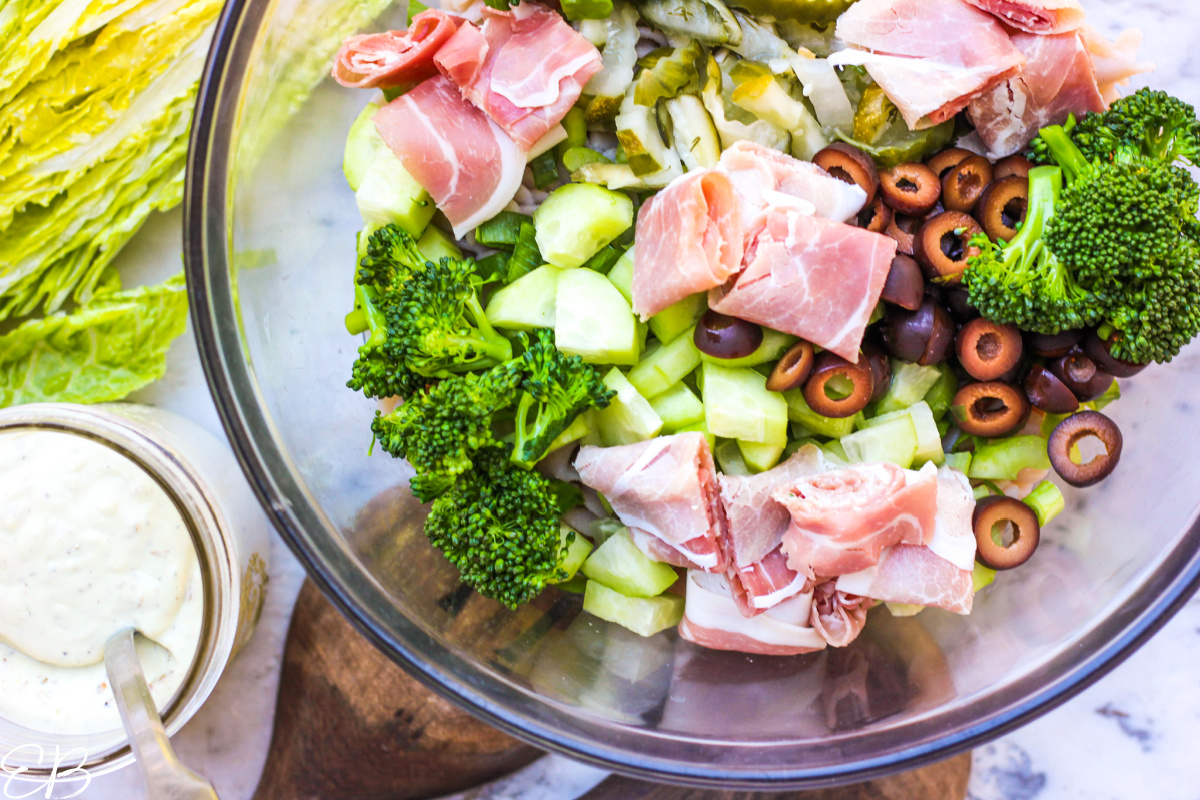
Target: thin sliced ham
x=1036, y=16
x=762, y=177
x=689, y=239
x=838, y=616
x=395, y=58
x=765, y=583
x=525, y=68
x=931, y=57
x=1057, y=81
x=842, y=519
x=665, y=491
x=470, y=167
x=711, y=619
x=811, y=277
x=1115, y=61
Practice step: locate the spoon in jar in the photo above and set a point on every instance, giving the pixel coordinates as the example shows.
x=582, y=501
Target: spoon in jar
x=167, y=778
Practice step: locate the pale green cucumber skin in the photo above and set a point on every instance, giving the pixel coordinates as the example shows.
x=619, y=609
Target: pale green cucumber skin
x=528, y=302
x=759, y=457
x=389, y=195
x=664, y=366
x=629, y=417
x=577, y=220
x=362, y=143
x=729, y=458
x=893, y=441
x=644, y=616
x=829, y=427
x=621, y=275
x=592, y=320
x=679, y=318
x=620, y=566
x=910, y=384
x=738, y=405
x=929, y=439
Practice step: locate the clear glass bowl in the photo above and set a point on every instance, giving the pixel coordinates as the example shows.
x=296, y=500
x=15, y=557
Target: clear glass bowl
x=270, y=230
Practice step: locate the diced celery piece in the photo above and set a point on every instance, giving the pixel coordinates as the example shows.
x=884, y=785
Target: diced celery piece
x=835, y=452
x=700, y=427
x=619, y=565
x=629, y=417
x=581, y=427
x=981, y=491
x=738, y=405
x=435, y=244
x=1003, y=459
x=362, y=143
x=593, y=320
x=576, y=554
x=910, y=383
x=982, y=576
x=759, y=457
x=644, y=616
x=679, y=318
x=904, y=609
x=621, y=275
x=578, y=219
x=664, y=365
x=678, y=408
x=1047, y=500
x=388, y=194
x=1111, y=395
x=959, y=461
x=893, y=441
x=941, y=394
x=774, y=345
x=929, y=440
x=799, y=411
x=526, y=303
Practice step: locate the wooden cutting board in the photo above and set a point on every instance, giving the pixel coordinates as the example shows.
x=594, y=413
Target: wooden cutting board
x=351, y=725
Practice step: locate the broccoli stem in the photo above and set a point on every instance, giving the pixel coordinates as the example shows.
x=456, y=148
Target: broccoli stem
x=1074, y=164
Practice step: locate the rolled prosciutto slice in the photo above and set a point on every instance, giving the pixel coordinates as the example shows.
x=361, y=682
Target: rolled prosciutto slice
x=811, y=277
x=842, y=519
x=762, y=177
x=931, y=57
x=765, y=584
x=665, y=491
x=838, y=616
x=470, y=167
x=524, y=67
x=689, y=239
x=394, y=58
x=1057, y=81
x=711, y=619
x=1115, y=61
x=1036, y=16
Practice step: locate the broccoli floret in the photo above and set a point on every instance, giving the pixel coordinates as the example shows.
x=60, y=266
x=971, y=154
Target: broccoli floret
x=558, y=388
x=1146, y=125
x=440, y=429
x=1022, y=281
x=1156, y=318
x=498, y=524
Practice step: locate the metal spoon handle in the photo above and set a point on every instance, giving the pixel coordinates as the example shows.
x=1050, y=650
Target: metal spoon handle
x=166, y=776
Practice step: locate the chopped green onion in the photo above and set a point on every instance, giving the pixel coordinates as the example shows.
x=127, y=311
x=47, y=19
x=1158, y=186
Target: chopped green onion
x=575, y=157
x=1047, y=500
x=502, y=230
x=493, y=267
x=526, y=257
x=604, y=260
x=545, y=170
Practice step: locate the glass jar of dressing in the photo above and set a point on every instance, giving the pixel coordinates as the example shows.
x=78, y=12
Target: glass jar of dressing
x=183, y=529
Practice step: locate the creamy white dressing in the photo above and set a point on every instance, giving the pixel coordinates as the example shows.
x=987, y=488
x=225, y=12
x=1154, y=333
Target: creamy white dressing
x=89, y=544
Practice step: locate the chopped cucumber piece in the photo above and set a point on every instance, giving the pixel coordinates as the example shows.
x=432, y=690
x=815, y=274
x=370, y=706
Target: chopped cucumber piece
x=362, y=143
x=941, y=395
x=621, y=276
x=1003, y=459
x=579, y=428
x=664, y=365
x=729, y=458
x=576, y=552
x=904, y=609
x=959, y=461
x=435, y=244
x=910, y=383
x=693, y=131
x=929, y=440
x=644, y=616
x=774, y=344
x=602, y=529
x=799, y=411
x=893, y=441
x=678, y=408
x=526, y=303
x=502, y=230
x=738, y=405
x=593, y=320
x=677, y=318
x=759, y=457
x=578, y=219
x=982, y=577
x=629, y=417
x=619, y=565
x=388, y=194
x=700, y=427
x=577, y=585
x=1047, y=500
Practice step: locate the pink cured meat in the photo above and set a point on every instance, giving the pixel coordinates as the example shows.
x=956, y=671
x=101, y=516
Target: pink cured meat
x=931, y=57
x=689, y=239
x=712, y=619
x=765, y=583
x=525, y=68
x=1057, y=81
x=917, y=575
x=811, y=277
x=394, y=58
x=665, y=491
x=759, y=176
x=1115, y=62
x=1036, y=16
x=837, y=616
x=842, y=519
x=466, y=162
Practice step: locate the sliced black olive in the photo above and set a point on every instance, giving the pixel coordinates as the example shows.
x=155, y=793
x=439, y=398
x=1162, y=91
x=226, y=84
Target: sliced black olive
x=1100, y=351
x=990, y=409
x=1021, y=522
x=947, y=160
x=1070, y=432
x=837, y=388
x=722, y=336
x=1053, y=345
x=881, y=369
x=876, y=217
x=958, y=302
x=942, y=245
x=1013, y=166
x=793, y=368
x=963, y=185
x=924, y=336
x=903, y=228
x=910, y=188
x=905, y=286
x=848, y=163
x=987, y=350
x=1002, y=207
x=1045, y=391
x=1081, y=375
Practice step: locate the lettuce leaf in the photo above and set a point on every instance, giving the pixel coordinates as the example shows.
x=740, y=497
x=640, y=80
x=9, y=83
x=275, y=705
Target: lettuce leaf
x=106, y=349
